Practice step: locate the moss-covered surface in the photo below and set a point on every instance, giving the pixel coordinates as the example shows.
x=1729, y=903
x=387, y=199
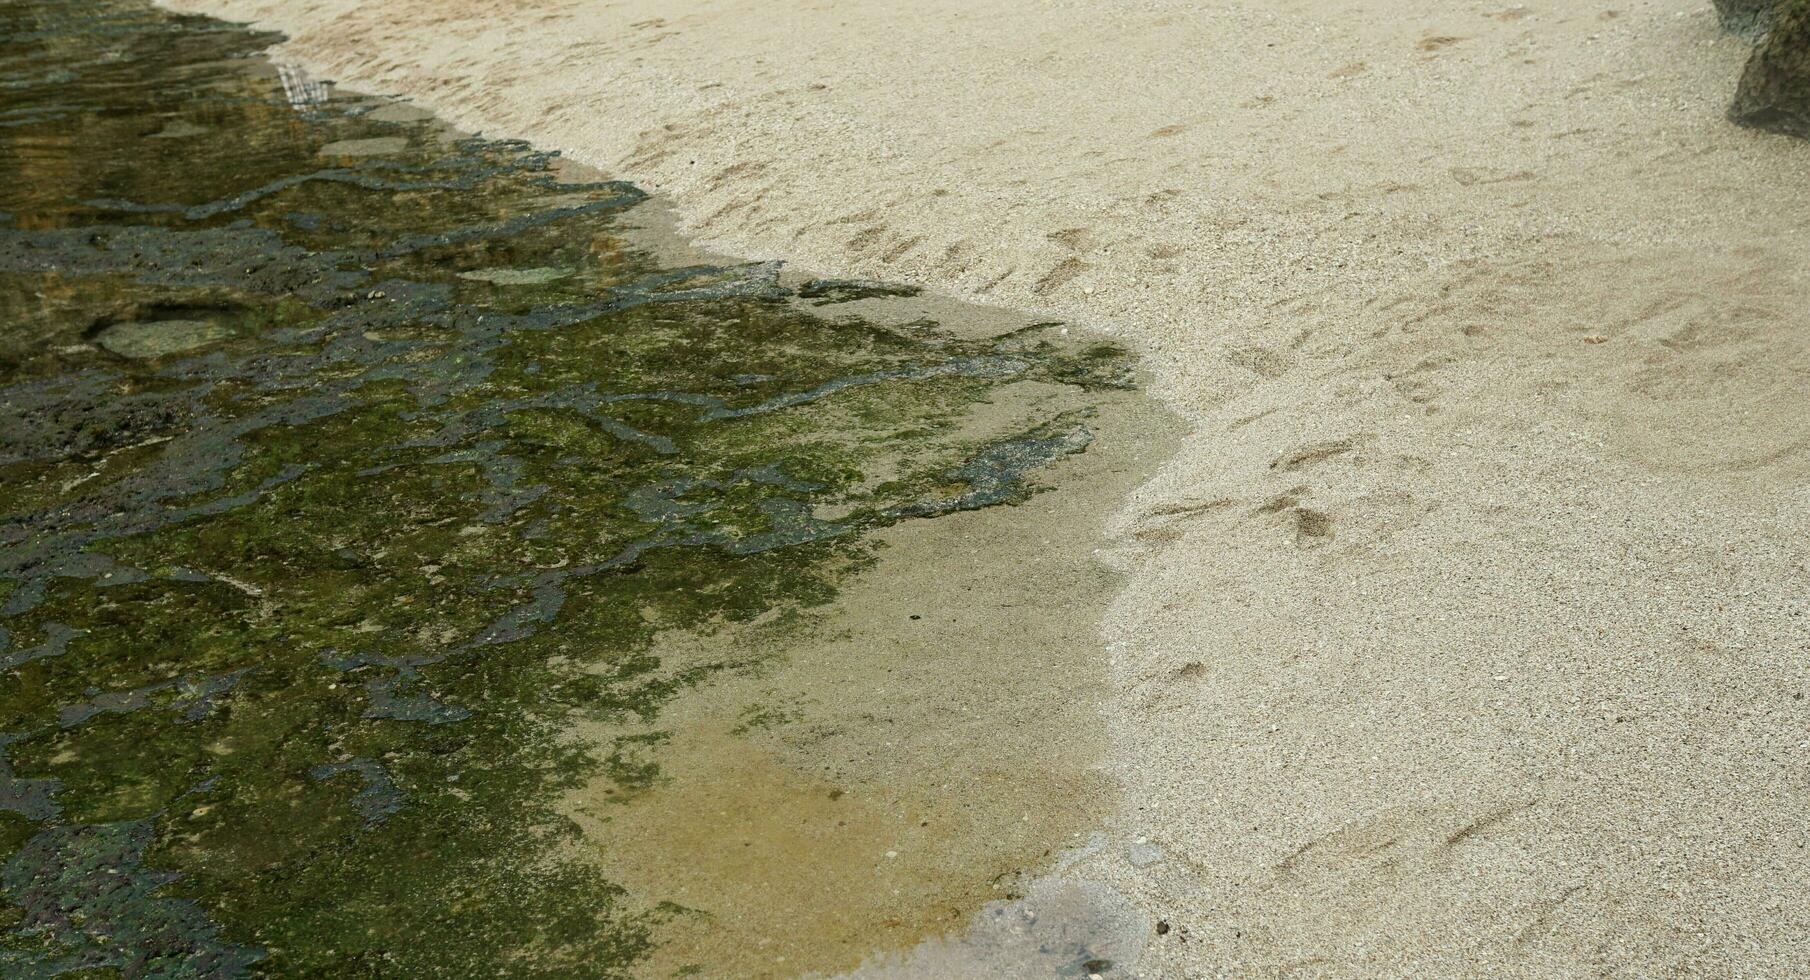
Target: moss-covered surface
x=1774, y=92
x=295, y=605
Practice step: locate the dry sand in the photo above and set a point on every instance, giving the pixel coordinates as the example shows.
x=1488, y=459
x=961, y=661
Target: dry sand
x=1467, y=632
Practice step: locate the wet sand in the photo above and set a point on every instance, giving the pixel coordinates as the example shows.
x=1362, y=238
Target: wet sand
x=1466, y=633
x=927, y=743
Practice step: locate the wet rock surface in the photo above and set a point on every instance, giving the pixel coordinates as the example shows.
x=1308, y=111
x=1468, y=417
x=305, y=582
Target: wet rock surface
x=347, y=463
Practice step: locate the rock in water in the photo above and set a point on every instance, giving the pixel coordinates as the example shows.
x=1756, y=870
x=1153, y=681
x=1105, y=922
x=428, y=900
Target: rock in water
x=374, y=147
x=143, y=341
x=1774, y=92
x=517, y=277
x=1749, y=18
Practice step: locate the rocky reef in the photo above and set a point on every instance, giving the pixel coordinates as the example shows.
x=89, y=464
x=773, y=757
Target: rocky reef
x=348, y=464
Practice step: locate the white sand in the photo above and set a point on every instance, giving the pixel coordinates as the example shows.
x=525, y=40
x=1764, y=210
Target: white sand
x=1468, y=632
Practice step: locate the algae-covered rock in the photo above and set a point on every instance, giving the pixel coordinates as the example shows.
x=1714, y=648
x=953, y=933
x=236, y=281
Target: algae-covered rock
x=1774, y=92
x=1748, y=18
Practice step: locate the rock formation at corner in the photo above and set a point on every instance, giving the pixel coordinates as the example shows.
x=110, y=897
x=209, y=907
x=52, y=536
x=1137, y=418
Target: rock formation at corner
x=1748, y=18
x=1774, y=93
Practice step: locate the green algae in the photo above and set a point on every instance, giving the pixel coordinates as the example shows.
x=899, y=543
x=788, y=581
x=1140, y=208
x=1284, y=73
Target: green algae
x=294, y=623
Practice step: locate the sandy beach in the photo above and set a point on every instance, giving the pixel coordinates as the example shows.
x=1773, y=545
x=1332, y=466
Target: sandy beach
x=1466, y=633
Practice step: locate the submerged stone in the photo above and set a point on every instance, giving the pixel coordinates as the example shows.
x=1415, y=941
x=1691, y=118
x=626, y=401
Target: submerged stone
x=179, y=129
x=399, y=112
x=372, y=147
x=1774, y=93
x=160, y=338
x=517, y=277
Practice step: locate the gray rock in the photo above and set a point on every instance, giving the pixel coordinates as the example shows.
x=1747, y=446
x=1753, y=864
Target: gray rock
x=1774, y=93
x=1749, y=18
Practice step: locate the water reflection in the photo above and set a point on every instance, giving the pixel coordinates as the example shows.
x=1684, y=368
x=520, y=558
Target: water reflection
x=304, y=92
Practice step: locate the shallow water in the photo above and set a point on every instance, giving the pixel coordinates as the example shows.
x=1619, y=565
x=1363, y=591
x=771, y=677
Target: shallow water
x=410, y=568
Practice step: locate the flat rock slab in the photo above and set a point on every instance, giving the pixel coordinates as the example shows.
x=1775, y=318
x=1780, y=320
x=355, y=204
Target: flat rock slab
x=516, y=277
x=179, y=129
x=374, y=147
x=160, y=338
x=399, y=112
